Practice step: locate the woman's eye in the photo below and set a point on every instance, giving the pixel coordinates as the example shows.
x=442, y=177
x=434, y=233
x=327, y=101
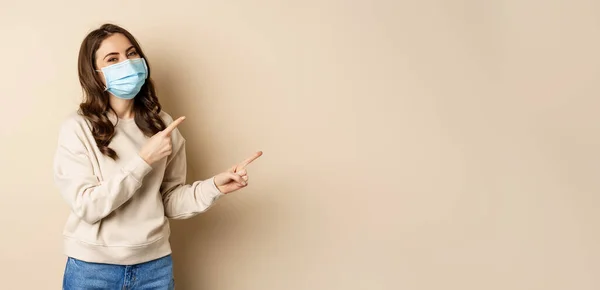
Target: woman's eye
x=133, y=53
x=112, y=59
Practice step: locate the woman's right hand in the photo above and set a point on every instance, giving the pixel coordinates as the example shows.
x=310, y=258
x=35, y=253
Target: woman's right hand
x=159, y=146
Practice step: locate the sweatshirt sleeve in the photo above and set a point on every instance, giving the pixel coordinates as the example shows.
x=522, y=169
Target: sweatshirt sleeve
x=89, y=198
x=181, y=200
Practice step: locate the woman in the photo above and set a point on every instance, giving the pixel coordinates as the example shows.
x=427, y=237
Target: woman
x=120, y=165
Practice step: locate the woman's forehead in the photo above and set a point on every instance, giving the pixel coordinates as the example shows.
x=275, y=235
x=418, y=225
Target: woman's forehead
x=117, y=42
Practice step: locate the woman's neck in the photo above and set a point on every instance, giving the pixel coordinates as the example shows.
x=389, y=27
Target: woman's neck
x=123, y=108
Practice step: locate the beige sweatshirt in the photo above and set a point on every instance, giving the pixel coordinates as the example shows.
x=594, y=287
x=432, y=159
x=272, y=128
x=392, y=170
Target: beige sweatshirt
x=120, y=209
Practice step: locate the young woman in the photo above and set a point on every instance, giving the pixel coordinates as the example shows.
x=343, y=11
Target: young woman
x=120, y=164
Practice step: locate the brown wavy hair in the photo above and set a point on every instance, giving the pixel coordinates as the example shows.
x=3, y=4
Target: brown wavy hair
x=95, y=105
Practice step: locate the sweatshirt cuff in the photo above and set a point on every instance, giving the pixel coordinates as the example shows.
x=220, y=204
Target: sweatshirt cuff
x=209, y=188
x=137, y=168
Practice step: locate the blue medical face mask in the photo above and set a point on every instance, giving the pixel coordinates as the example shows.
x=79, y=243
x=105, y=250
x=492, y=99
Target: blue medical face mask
x=125, y=79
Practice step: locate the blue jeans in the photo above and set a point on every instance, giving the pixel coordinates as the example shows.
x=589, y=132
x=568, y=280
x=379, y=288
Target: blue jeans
x=153, y=275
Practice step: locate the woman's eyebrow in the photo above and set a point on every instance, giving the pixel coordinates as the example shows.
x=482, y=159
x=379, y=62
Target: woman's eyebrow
x=113, y=53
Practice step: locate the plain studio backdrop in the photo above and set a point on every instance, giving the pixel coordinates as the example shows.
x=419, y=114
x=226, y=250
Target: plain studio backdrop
x=408, y=144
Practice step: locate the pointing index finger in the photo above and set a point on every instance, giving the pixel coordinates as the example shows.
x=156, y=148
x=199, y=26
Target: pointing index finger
x=249, y=160
x=173, y=125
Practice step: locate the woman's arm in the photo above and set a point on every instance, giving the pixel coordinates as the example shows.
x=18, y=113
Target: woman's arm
x=90, y=199
x=183, y=200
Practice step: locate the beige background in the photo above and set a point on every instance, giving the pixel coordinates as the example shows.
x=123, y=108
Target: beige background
x=408, y=144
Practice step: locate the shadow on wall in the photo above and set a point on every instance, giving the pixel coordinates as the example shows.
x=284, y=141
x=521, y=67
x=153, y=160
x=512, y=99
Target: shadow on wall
x=199, y=243
x=188, y=237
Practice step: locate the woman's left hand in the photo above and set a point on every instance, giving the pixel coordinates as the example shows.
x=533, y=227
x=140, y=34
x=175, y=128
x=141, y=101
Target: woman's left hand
x=236, y=177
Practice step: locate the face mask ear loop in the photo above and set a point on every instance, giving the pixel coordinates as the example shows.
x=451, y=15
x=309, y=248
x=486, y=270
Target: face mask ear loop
x=105, y=87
